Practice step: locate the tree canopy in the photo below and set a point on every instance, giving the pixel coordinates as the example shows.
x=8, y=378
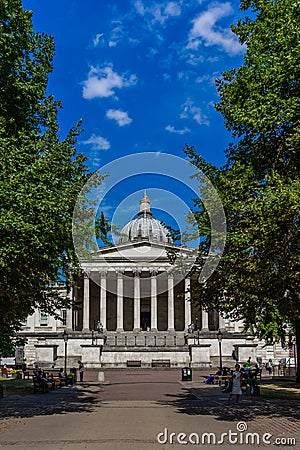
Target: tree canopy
x=40, y=177
x=258, y=276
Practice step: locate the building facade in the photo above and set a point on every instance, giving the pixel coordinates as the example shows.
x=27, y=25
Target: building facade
x=133, y=309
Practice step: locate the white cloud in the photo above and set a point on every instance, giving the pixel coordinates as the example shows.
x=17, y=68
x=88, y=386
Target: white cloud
x=97, y=142
x=101, y=82
x=172, y=129
x=117, y=33
x=205, y=30
x=209, y=78
x=158, y=12
x=97, y=38
x=121, y=117
x=189, y=110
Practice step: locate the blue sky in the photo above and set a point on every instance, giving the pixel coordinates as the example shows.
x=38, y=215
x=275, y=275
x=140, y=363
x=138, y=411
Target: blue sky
x=141, y=74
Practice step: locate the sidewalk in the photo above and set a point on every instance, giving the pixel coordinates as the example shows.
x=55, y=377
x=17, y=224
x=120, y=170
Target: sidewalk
x=132, y=409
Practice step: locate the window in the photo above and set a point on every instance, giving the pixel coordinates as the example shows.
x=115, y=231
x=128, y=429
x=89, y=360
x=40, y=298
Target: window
x=64, y=317
x=43, y=319
x=269, y=352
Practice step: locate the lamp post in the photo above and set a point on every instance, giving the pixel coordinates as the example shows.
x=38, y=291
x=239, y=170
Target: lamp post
x=65, y=336
x=220, y=336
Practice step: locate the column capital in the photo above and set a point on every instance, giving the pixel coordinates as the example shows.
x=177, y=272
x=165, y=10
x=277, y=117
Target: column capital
x=103, y=273
x=119, y=272
x=137, y=271
x=153, y=271
x=87, y=273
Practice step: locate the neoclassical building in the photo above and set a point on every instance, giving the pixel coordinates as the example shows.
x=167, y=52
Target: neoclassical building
x=133, y=308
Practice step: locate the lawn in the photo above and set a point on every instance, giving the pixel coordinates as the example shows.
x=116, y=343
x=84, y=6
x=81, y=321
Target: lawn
x=280, y=389
x=14, y=386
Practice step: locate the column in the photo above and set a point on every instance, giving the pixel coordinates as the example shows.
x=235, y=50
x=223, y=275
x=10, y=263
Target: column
x=237, y=324
x=154, y=300
x=187, y=303
x=221, y=322
x=53, y=322
x=170, y=302
x=120, y=326
x=136, y=300
x=86, y=302
x=102, y=306
x=204, y=320
x=75, y=311
x=36, y=318
x=30, y=322
x=70, y=310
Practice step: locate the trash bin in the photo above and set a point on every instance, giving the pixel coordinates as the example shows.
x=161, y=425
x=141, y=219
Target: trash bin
x=186, y=374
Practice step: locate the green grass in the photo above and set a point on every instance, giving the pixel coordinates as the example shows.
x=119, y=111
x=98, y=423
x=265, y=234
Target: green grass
x=285, y=390
x=14, y=386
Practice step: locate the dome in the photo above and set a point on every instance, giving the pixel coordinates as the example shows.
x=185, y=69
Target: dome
x=144, y=227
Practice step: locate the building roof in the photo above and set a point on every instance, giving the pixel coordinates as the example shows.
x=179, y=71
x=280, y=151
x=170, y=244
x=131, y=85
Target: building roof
x=145, y=227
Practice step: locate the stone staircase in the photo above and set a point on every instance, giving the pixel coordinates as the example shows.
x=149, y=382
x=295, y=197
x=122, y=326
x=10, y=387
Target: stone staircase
x=145, y=339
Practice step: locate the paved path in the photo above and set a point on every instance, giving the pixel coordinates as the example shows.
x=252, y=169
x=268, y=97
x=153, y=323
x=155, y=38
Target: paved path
x=133, y=408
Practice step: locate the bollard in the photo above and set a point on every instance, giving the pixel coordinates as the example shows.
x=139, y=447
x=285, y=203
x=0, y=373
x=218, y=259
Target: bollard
x=101, y=376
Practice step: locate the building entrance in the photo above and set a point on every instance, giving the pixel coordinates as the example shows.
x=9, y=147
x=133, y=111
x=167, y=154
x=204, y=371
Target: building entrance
x=145, y=314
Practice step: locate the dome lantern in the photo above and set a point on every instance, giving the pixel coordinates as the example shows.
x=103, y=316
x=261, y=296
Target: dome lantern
x=144, y=227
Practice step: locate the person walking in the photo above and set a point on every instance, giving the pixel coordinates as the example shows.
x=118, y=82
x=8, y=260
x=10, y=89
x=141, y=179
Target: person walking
x=236, y=385
x=81, y=370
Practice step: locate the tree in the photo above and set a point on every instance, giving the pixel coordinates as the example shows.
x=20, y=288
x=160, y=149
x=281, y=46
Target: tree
x=258, y=276
x=40, y=177
x=102, y=227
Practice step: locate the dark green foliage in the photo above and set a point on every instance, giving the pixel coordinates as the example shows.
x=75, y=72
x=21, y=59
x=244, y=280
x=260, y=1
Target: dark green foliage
x=259, y=186
x=41, y=175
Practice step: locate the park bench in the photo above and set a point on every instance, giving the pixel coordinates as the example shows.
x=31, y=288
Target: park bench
x=134, y=363
x=161, y=363
x=42, y=385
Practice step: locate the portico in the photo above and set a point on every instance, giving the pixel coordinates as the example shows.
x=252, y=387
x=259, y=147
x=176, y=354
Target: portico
x=134, y=299
x=145, y=308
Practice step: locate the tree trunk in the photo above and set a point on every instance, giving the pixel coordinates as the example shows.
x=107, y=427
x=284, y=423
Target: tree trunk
x=297, y=356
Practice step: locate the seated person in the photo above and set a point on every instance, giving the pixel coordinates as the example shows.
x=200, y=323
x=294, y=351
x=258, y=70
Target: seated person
x=248, y=363
x=256, y=370
x=211, y=378
x=62, y=375
x=42, y=378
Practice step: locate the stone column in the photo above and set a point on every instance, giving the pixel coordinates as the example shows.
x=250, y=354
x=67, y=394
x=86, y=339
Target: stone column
x=30, y=322
x=75, y=311
x=69, y=321
x=187, y=303
x=154, y=300
x=170, y=302
x=120, y=315
x=237, y=324
x=204, y=320
x=86, y=302
x=102, y=306
x=53, y=323
x=136, y=300
x=221, y=322
x=36, y=318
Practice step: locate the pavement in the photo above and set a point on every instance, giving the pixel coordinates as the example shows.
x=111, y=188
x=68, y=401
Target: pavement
x=145, y=410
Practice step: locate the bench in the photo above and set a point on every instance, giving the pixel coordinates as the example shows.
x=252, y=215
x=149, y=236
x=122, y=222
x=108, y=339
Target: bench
x=27, y=374
x=134, y=363
x=42, y=385
x=161, y=363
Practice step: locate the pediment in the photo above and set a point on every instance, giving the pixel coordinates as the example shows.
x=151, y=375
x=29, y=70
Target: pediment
x=139, y=251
